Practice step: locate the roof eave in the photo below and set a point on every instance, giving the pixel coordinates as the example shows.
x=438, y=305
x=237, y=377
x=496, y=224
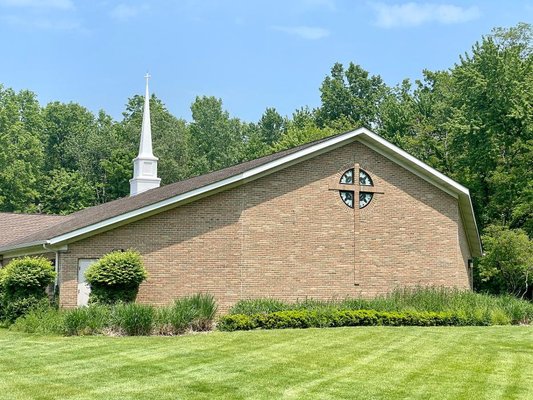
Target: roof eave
x=367, y=137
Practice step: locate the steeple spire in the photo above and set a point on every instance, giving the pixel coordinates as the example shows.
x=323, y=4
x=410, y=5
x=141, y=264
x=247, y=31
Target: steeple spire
x=145, y=147
x=145, y=164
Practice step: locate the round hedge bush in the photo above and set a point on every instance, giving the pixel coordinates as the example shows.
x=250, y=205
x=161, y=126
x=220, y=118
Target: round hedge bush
x=23, y=284
x=116, y=277
x=27, y=276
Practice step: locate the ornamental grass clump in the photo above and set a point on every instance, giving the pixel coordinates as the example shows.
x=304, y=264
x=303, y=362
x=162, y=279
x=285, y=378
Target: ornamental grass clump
x=116, y=277
x=474, y=307
x=133, y=319
x=194, y=313
x=92, y=320
x=205, y=308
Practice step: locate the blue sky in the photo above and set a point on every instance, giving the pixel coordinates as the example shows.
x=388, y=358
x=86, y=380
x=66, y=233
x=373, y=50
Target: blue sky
x=252, y=54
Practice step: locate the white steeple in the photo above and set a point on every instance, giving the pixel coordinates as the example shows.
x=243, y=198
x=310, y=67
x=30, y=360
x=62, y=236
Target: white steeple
x=145, y=164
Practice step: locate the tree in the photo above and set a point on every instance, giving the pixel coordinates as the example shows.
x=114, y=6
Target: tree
x=415, y=119
x=351, y=94
x=66, y=128
x=492, y=125
x=216, y=139
x=260, y=137
x=507, y=266
x=65, y=192
x=21, y=150
x=302, y=129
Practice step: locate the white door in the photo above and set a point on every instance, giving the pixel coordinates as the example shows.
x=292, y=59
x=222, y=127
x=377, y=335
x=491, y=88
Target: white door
x=83, y=287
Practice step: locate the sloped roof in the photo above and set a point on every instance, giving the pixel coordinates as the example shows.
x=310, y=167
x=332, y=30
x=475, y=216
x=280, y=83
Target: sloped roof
x=106, y=216
x=16, y=226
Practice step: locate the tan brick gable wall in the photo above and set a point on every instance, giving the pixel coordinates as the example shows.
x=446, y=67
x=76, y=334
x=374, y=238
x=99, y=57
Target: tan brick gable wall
x=287, y=235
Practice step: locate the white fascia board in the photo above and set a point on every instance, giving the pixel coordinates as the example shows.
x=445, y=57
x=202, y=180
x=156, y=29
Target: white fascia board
x=431, y=173
x=434, y=177
x=243, y=177
x=367, y=137
x=5, y=249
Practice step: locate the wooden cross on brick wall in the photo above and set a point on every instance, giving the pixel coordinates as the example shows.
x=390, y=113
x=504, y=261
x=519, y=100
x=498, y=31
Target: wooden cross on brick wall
x=357, y=190
x=357, y=182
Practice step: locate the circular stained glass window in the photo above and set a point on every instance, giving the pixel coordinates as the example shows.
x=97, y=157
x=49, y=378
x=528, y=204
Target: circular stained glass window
x=347, y=196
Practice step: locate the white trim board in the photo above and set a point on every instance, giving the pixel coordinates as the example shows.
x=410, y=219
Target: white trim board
x=366, y=137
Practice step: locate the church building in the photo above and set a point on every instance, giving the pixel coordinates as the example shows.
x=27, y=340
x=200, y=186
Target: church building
x=346, y=216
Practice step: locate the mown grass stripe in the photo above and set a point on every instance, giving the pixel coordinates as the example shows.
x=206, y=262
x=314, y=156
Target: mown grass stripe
x=361, y=362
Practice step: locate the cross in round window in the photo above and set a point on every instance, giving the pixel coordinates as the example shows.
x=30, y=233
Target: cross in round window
x=347, y=196
x=349, y=190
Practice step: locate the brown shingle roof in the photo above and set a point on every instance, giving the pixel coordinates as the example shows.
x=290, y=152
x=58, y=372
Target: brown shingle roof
x=102, y=212
x=14, y=227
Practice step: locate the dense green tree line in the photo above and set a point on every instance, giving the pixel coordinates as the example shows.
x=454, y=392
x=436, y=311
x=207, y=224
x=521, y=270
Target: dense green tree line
x=472, y=122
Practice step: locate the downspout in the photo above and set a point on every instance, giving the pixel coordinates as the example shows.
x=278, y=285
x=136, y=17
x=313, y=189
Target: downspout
x=56, y=267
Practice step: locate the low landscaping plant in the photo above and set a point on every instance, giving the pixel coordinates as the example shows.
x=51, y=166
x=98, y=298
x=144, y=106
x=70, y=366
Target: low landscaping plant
x=192, y=313
x=92, y=320
x=471, y=305
x=337, y=318
x=44, y=320
x=196, y=313
x=116, y=277
x=133, y=319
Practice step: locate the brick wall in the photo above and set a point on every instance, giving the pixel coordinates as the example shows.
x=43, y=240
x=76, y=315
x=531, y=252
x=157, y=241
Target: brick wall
x=287, y=235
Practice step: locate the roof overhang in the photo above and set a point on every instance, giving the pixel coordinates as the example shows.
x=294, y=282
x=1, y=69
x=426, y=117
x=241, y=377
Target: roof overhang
x=365, y=136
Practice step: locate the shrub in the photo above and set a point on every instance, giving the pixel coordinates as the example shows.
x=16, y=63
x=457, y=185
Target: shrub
x=508, y=264
x=133, y=319
x=23, y=285
x=44, y=320
x=338, y=318
x=116, y=277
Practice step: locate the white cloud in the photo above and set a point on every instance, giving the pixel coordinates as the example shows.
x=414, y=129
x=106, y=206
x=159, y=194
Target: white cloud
x=305, y=32
x=58, y=4
x=42, y=23
x=415, y=14
x=123, y=12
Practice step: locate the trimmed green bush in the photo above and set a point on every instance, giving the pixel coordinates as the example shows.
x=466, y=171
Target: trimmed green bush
x=116, y=277
x=337, y=318
x=23, y=284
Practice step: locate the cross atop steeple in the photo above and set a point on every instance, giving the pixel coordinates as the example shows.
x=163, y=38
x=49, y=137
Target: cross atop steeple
x=145, y=164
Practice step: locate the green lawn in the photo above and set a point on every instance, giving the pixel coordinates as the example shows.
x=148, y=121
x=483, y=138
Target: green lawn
x=343, y=363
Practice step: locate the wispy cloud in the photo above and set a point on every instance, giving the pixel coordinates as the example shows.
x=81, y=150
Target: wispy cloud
x=124, y=12
x=328, y=4
x=43, y=23
x=415, y=14
x=43, y=4
x=304, y=32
